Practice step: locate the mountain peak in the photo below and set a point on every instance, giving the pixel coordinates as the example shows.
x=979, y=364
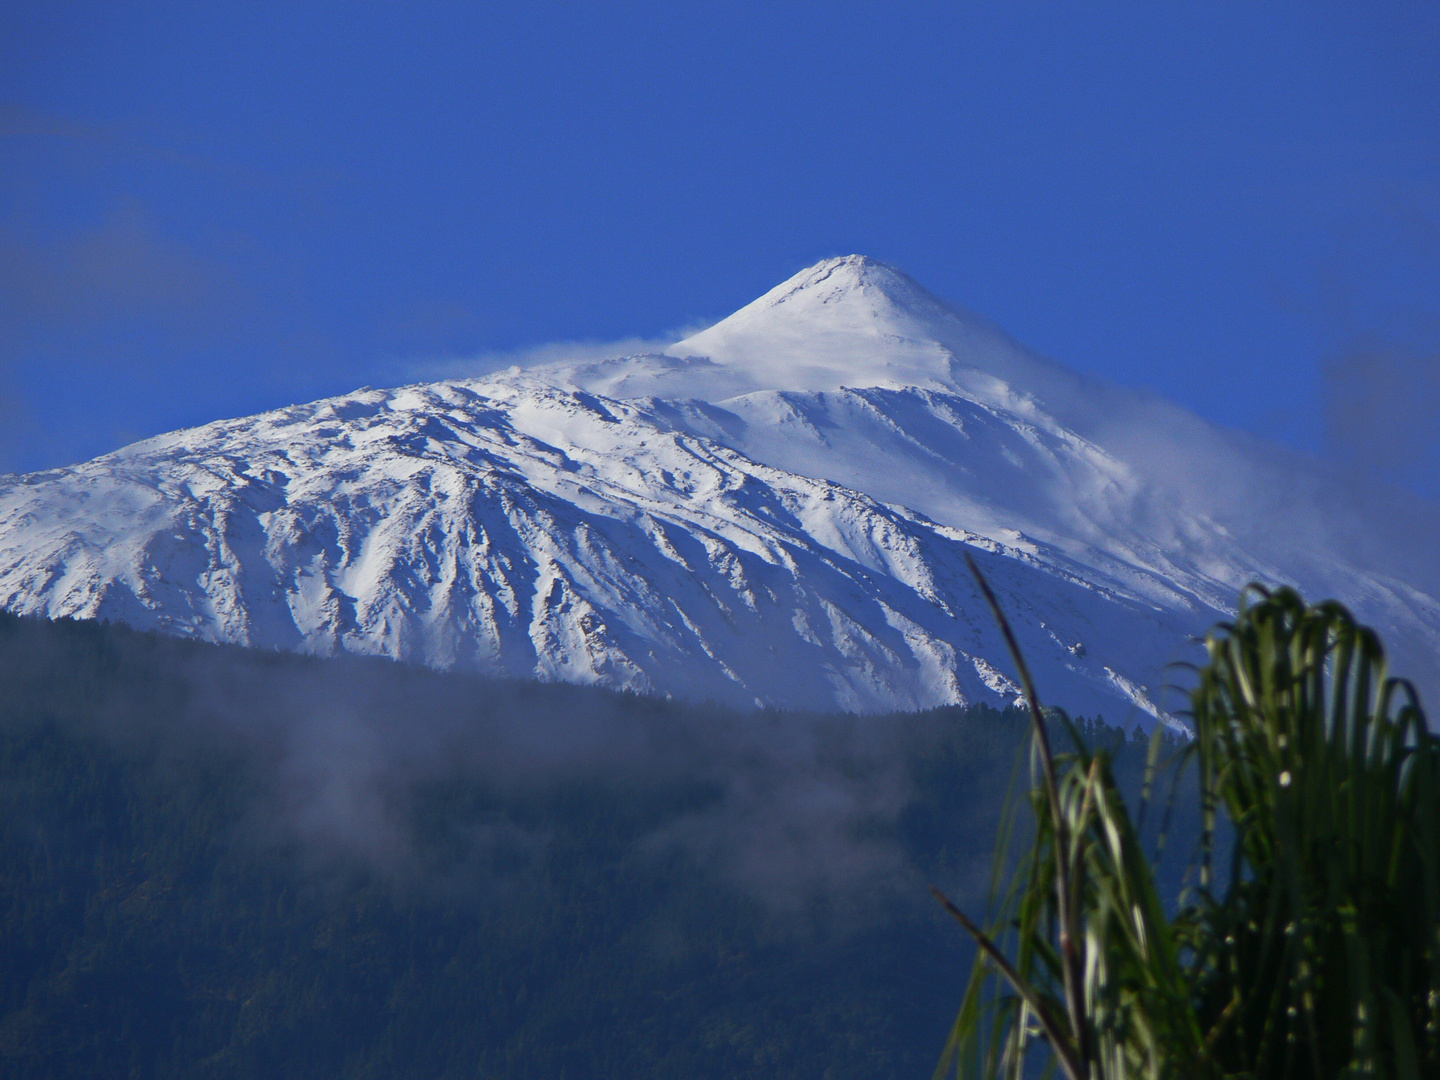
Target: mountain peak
x=852, y=288
x=847, y=321
x=847, y=276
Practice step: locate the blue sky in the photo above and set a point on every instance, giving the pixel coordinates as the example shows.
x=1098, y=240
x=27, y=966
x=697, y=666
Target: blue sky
x=206, y=210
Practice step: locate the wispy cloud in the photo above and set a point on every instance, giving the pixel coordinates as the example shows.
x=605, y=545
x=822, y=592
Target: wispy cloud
x=790, y=810
x=1382, y=410
x=1379, y=372
x=122, y=268
x=555, y=352
x=101, y=300
x=19, y=121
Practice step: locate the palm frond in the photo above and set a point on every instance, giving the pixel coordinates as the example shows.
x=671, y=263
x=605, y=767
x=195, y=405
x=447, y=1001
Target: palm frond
x=1316, y=955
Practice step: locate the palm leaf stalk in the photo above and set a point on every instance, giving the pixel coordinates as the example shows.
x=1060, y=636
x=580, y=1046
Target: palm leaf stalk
x=1318, y=958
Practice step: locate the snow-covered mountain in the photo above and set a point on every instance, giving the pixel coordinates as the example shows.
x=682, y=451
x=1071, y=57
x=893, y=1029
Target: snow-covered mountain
x=774, y=511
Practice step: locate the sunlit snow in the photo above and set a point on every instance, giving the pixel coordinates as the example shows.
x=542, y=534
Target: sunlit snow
x=775, y=511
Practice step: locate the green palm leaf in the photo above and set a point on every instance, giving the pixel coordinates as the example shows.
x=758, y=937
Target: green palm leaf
x=1319, y=957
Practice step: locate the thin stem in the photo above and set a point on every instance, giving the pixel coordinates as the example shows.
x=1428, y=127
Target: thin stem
x=1073, y=1068
x=1071, y=966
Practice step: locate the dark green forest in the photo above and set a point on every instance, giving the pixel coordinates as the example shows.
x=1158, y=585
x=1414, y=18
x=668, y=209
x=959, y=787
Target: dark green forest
x=216, y=862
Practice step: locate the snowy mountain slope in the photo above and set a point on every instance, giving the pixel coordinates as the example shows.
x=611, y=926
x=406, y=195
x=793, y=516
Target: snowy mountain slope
x=556, y=533
x=775, y=511
x=852, y=372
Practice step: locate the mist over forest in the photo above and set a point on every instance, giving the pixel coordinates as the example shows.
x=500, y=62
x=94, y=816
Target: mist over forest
x=221, y=862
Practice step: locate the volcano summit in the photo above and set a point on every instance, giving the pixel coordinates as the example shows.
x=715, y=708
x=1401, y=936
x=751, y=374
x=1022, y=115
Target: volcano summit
x=774, y=511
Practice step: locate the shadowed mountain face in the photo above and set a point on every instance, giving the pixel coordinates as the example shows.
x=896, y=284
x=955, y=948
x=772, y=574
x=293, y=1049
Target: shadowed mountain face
x=776, y=511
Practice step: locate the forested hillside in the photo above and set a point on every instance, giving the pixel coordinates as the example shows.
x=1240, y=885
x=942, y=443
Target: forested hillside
x=222, y=863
